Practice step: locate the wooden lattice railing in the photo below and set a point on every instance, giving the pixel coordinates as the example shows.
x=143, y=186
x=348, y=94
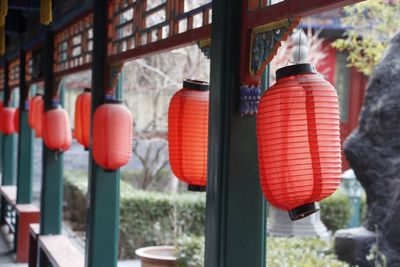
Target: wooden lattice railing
x=134, y=24
x=73, y=46
x=13, y=74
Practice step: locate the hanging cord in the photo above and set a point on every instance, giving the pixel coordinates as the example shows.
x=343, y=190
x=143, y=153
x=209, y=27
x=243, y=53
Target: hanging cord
x=299, y=44
x=300, y=29
x=3, y=14
x=46, y=12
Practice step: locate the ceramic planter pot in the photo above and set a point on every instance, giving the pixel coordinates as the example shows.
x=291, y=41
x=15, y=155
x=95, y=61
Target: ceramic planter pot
x=158, y=256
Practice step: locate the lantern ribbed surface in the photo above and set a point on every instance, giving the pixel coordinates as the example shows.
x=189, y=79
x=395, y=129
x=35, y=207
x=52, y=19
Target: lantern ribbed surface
x=188, y=134
x=299, y=141
x=57, y=130
x=7, y=120
x=82, y=118
x=32, y=105
x=16, y=121
x=38, y=111
x=112, y=135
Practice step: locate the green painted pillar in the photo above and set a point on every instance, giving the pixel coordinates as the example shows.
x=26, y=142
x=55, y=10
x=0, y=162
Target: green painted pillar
x=8, y=157
x=235, y=211
x=25, y=142
x=52, y=180
x=7, y=152
x=103, y=214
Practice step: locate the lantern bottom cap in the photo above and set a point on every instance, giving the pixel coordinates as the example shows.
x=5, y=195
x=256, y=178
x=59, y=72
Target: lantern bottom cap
x=303, y=211
x=196, y=188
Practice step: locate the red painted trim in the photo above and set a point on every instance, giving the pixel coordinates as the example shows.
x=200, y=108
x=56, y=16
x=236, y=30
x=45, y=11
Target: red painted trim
x=293, y=8
x=170, y=43
x=34, y=81
x=86, y=66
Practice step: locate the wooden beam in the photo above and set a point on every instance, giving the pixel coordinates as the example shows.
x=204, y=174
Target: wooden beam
x=170, y=43
x=293, y=8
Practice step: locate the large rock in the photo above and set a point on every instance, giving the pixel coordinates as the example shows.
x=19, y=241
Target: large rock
x=373, y=151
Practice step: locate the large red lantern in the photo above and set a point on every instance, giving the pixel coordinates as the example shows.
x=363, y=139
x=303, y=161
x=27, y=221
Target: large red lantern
x=32, y=105
x=16, y=121
x=112, y=135
x=38, y=111
x=82, y=118
x=298, y=136
x=188, y=134
x=56, y=129
x=7, y=120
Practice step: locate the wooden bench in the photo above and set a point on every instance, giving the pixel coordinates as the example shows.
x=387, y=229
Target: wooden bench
x=60, y=251
x=26, y=214
x=34, y=230
x=18, y=217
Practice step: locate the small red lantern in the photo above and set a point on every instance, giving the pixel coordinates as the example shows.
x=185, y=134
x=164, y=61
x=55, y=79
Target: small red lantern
x=56, y=129
x=32, y=105
x=82, y=118
x=299, y=140
x=7, y=120
x=188, y=134
x=38, y=111
x=112, y=135
x=16, y=121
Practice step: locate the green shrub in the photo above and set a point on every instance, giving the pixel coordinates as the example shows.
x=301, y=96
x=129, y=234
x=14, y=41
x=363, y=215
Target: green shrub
x=281, y=252
x=336, y=211
x=147, y=218
x=300, y=252
x=190, y=251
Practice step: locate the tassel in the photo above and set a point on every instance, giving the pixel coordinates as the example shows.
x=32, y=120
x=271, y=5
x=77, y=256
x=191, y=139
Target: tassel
x=3, y=12
x=46, y=12
x=2, y=40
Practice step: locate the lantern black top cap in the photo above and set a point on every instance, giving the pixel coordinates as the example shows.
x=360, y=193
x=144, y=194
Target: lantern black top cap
x=114, y=101
x=297, y=69
x=195, y=85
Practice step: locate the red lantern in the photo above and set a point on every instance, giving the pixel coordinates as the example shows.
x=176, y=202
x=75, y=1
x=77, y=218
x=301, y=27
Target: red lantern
x=299, y=140
x=56, y=130
x=38, y=111
x=112, y=135
x=32, y=105
x=82, y=118
x=188, y=134
x=7, y=120
x=16, y=121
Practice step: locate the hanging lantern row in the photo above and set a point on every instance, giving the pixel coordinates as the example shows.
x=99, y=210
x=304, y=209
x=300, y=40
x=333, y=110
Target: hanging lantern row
x=112, y=135
x=56, y=128
x=299, y=140
x=188, y=134
x=7, y=120
x=82, y=118
x=297, y=132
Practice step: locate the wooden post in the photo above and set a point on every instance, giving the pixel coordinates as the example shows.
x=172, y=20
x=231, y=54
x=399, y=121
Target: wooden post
x=8, y=152
x=8, y=175
x=103, y=216
x=25, y=141
x=235, y=213
x=52, y=182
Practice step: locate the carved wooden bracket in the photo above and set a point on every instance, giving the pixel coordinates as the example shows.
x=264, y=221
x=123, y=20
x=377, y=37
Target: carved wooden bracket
x=265, y=42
